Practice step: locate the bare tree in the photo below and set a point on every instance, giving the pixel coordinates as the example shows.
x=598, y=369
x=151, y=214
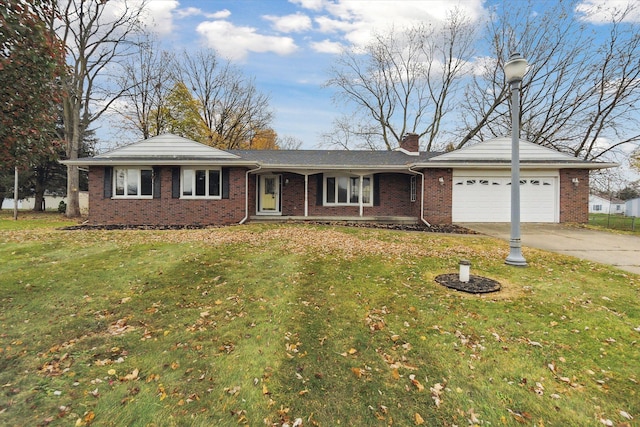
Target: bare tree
x=579, y=92
x=146, y=81
x=403, y=81
x=231, y=107
x=289, y=142
x=97, y=34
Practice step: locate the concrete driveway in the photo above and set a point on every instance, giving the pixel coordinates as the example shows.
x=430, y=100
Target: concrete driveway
x=620, y=250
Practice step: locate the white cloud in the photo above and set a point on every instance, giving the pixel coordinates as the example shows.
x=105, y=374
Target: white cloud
x=294, y=23
x=159, y=16
x=309, y=4
x=195, y=11
x=601, y=11
x=235, y=42
x=327, y=46
x=357, y=19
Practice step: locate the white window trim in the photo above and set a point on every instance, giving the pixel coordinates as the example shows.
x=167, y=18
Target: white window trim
x=348, y=203
x=207, y=169
x=139, y=183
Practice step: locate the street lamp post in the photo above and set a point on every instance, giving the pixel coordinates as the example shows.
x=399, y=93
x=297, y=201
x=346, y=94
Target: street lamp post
x=514, y=71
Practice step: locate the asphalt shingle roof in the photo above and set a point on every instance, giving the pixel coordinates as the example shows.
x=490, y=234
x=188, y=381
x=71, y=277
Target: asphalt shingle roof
x=331, y=158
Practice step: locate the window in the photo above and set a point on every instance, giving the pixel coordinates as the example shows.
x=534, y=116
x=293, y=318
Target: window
x=597, y=208
x=345, y=190
x=133, y=182
x=201, y=183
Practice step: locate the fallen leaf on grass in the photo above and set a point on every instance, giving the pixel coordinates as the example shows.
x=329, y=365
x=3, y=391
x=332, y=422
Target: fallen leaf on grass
x=473, y=417
x=132, y=376
x=520, y=417
x=436, y=392
x=419, y=419
x=626, y=415
x=416, y=383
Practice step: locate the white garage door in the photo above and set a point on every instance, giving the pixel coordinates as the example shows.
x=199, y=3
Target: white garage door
x=478, y=198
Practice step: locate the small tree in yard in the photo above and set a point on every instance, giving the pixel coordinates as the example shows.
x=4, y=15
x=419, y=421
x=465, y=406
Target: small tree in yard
x=31, y=66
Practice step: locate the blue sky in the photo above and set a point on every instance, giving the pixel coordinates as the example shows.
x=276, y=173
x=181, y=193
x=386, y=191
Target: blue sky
x=288, y=46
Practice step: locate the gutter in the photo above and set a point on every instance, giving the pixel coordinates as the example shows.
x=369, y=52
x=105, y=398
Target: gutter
x=246, y=194
x=421, y=195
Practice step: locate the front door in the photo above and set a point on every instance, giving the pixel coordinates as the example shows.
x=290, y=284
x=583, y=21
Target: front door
x=269, y=195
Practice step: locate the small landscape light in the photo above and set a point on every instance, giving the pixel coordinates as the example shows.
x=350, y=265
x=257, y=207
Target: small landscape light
x=465, y=266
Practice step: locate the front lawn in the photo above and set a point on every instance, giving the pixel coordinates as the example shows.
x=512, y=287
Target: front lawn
x=306, y=325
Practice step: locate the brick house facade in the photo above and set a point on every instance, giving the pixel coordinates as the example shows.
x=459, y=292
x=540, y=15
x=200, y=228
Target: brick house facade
x=168, y=180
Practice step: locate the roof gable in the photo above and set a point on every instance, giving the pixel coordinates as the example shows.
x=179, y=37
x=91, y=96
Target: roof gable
x=167, y=146
x=499, y=150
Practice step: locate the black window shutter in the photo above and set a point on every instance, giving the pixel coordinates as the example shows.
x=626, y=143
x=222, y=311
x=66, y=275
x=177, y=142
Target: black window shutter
x=175, y=183
x=319, y=186
x=225, y=183
x=156, y=183
x=108, y=182
x=376, y=190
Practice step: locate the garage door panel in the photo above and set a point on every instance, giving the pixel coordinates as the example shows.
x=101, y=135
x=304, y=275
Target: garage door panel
x=488, y=199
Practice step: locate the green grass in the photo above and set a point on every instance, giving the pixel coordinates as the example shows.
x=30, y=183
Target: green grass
x=615, y=222
x=263, y=325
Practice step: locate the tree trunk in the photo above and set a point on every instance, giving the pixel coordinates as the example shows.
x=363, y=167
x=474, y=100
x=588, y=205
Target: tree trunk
x=73, y=198
x=72, y=116
x=38, y=202
x=15, y=194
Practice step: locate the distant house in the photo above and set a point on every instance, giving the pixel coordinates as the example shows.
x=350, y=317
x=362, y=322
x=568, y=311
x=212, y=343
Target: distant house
x=170, y=180
x=600, y=203
x=51, y=203
x=632, y=207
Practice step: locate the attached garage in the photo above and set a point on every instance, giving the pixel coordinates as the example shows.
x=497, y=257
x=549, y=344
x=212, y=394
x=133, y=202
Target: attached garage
x=554, y=187
x=485, y=196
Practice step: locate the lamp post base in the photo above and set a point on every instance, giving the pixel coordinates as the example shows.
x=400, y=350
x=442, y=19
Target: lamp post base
x=515, y=254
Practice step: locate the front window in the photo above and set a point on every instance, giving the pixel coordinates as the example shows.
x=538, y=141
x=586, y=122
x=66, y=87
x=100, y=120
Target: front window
x=345, y=190
x=133, y=182
x=201, y=183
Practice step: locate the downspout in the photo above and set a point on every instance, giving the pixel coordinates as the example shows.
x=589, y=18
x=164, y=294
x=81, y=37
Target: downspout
x=421, y=196
x=246, y=194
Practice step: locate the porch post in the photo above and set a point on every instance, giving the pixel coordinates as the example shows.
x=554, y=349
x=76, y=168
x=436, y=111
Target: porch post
x=306, y=195
x=360, y=198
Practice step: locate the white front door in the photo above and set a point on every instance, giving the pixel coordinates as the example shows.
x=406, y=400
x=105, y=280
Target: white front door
x=269, y=195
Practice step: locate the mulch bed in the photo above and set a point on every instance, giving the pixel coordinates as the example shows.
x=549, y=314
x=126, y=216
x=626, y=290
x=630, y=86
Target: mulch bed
x=475, y=285
x=447, y=228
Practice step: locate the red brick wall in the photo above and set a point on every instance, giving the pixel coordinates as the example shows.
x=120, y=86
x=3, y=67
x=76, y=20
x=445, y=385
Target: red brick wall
x=394, y=192
x=395, y=199
x=166, y=210
x=438, y=197
x=574, y=200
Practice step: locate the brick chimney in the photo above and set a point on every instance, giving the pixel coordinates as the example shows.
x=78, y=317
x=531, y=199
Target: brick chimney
x=410, y=142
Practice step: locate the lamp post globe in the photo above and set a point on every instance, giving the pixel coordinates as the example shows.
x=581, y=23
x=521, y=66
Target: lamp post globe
x=514, y=71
